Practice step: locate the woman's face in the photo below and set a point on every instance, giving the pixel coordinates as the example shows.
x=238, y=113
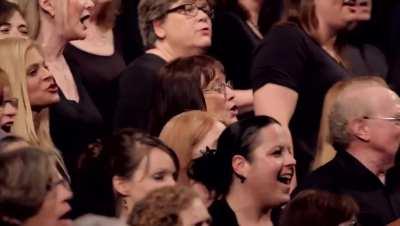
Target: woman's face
x=187, y=27
x=41, y=86
x=71, y=16
x=9, y=110
x=154, y=171
x=335, y=14
x=55, y=205
x=195, y=215
x=271, y=166
x=15, y=27
x=220, y=99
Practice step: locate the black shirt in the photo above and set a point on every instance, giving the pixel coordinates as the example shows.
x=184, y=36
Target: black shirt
x=289, y=57
x=233, y=43
x=346, y=175
x=99, y=76
x=135, y=92
x=222, y=214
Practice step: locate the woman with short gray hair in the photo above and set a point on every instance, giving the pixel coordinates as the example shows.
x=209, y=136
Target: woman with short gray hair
x=170, y=29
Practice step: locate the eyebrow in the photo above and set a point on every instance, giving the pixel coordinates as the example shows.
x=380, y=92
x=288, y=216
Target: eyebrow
x=5, y=24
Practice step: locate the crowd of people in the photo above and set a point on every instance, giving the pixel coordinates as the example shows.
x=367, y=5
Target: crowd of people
x=198, y=113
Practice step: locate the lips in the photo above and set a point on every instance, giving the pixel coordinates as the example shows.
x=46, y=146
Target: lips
x=286, y=176
x=205, y=31
x=53, y=88
x=83, y=19
x=234, y=111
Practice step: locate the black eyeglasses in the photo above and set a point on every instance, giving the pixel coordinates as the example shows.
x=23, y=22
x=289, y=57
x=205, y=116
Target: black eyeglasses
x=191, y=9
x=355, y=2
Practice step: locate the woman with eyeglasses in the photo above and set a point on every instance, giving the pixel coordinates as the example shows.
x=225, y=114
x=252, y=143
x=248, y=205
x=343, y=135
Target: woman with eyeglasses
x=191, y=83
x=169, y=29
x=32, y=192
x=33, y=88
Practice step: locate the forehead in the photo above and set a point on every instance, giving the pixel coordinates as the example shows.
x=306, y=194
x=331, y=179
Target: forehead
x=271, y=136
x=33, y=56
x=198, y=2
x=196, y=212
x=386, y=101
x=16, y=18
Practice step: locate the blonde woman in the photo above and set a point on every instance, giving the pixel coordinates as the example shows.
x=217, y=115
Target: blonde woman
x=75, y=120
x=189, y=134
x=32, y=84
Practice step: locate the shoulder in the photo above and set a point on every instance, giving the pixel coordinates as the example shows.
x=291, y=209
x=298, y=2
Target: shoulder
x=145, y=65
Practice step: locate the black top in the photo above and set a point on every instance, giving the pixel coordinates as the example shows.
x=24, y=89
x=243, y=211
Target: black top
x=233, y=43
x=99, y=76
x=135, y=92
x=222, y=214
x=74, y=125
x=365, y=59
x=300, y=64
x=346, y=175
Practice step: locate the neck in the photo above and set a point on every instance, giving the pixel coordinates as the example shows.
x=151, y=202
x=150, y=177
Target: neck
x=373, y=160
x=253, y=8
x=51, y=41
x=170, y=53
x=247, y=208
x=326, y=35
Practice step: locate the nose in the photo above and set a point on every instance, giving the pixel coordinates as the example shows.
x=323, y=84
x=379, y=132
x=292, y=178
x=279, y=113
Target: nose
x=9, y=110
x=203, y=16
x=64, y=192
x=230, y=94
x=89, y=4
x=46, y=74
x=289, y=159
x=170, y=181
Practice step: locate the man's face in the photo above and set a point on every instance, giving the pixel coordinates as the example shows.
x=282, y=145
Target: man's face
x=384, y=123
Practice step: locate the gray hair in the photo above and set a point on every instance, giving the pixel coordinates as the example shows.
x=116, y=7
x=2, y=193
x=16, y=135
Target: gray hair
x=97, y=220
x=148, y=12
x=350, y=103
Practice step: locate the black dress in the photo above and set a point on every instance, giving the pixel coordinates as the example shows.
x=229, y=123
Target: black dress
x=135, y=92
x=74, y=125
x=289, y=57
x=99, y=76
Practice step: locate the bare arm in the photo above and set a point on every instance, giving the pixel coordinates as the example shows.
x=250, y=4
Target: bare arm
x=244, y=100
x=276, y=101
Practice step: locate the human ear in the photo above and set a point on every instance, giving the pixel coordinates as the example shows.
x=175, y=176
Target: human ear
x=48, y=7
x=120, y=185
x=240, y=167
x=360, y=129
x=159, y=29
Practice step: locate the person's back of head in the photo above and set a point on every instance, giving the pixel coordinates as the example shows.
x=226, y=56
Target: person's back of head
x=317, y=208
x=170, y=206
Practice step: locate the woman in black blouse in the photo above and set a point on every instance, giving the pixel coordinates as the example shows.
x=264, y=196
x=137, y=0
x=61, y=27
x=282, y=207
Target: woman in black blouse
x=297, y=62
x=250, y=172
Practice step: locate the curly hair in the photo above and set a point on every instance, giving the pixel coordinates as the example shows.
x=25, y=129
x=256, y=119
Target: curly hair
x=162, y=207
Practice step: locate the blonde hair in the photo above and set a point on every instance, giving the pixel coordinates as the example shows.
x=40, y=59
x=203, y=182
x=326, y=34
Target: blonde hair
x=183, y=132
x=30, y=11
x=13, y=53
x=325, y=151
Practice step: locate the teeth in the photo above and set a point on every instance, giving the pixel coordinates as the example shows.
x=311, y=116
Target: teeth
x=286, y=178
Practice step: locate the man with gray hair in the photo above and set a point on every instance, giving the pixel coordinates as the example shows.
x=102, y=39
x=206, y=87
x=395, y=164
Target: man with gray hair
x=365, y=130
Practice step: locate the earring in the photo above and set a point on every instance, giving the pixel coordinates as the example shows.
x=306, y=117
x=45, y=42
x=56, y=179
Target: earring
x=125, y=204
x=241, y=178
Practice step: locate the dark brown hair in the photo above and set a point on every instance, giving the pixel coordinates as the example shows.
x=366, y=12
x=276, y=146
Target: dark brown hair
x=301, y=12
x=316, y=208
x=6, y=10
x=178, y=88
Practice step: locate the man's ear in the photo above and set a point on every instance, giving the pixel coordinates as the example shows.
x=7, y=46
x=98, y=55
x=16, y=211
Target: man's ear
x=241, y=167
x=120, y=185
x=159, y=29
x=360, y=129
x=48, y=7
